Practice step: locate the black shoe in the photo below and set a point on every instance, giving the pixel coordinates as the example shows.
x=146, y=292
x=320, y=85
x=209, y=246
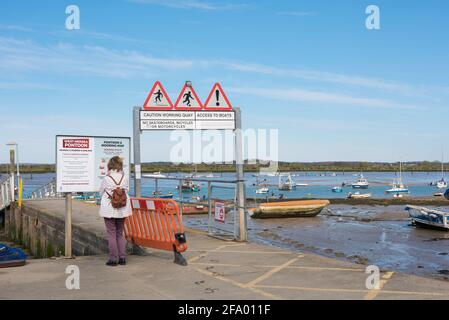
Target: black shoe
x=111, y=263
x=122, y=261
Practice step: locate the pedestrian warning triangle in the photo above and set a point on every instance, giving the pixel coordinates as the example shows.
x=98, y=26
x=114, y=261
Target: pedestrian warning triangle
x=188, y=99
x=217, y=99
x=158, y=99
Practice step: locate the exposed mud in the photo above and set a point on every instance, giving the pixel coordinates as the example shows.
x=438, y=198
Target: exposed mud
x=364, y=234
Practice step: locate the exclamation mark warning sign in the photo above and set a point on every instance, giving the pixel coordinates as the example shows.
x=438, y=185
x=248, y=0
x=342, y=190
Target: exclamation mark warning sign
x=217, y=95
x=217, y=99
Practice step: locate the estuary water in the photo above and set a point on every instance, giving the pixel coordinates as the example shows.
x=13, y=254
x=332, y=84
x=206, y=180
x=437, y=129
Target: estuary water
x=319, y=184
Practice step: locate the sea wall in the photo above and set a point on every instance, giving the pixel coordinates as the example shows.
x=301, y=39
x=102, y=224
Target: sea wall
x=42, y=233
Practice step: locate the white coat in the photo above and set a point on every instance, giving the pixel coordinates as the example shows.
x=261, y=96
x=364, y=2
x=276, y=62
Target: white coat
x=107, y=185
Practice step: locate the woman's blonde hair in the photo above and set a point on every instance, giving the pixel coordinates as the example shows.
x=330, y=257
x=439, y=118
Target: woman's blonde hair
x=115, y=163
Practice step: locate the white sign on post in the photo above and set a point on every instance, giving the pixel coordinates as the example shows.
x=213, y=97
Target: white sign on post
x=186, y=120
x=81, y=161
x=220, y=214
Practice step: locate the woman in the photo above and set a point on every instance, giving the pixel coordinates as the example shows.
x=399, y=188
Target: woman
x=115, y=218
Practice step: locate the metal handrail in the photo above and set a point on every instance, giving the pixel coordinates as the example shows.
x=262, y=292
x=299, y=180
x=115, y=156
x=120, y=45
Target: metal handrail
x=46, y=191
x=6, y=191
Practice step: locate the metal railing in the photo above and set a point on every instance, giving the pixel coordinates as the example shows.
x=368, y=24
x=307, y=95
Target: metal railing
x=46, y=191
x=216, y=229
x=6, y=191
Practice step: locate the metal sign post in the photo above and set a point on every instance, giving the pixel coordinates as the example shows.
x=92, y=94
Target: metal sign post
x=136, y=147
x=158, y=113
x=240, y=177
x=68, y=225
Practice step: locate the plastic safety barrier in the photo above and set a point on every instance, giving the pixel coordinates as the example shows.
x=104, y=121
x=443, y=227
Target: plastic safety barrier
x=157, y=223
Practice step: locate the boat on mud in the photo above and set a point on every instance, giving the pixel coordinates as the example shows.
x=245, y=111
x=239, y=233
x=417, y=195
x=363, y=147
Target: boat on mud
x=429, y=218
x=11, y=257
x=289, y=209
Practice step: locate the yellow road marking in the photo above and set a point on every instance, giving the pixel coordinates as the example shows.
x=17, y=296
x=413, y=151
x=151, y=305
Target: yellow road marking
x=372, y=294
x=272, y=271
x=239, y=251
x=318, y=268
x=196, y=231
x=206, y=252
x=238, y=284
x=351, y=290
x=288, y=267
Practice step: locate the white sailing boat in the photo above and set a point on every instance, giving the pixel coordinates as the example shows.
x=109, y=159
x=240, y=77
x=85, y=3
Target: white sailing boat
x=285, y=182
x=397, y=185
x=442, y=184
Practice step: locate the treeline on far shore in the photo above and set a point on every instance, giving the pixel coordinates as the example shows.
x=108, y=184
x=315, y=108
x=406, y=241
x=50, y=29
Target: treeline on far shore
x=150, y=167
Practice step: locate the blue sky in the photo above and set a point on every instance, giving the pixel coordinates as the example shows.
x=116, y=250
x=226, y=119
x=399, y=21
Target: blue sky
x=334, y=89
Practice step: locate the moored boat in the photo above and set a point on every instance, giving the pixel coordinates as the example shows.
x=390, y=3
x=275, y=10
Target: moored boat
x=398, y=186
x=11, y=257
x=289, y=209
x=189, y=186
x=262, y=190
x=337, y=189
x=285, y=182
x=430, y=218
x=358, y=195
x=361, y=183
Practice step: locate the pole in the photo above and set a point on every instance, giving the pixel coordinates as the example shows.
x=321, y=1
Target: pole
x=68, y=225
x=241, y=201
x=17, y=163
x=209, y=204
x=11, y=171
x=136, y=146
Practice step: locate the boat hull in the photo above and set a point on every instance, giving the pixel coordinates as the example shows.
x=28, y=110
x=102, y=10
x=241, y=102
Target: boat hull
x=356, y=186
x=429, y=218
x=397, y=191
x=289, y=209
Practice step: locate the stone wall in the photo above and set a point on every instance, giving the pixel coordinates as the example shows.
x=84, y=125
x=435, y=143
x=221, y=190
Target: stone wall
x=43, y=234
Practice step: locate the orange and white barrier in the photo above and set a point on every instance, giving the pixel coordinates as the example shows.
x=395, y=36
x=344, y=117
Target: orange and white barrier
x=157, y=223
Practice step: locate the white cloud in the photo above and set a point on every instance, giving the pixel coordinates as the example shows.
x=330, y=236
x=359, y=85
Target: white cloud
x=323, y=76
x=296, y=94
x=26, y=56
x=189, y=4
x=96, y=35
x=12, y=27
x=295, y=13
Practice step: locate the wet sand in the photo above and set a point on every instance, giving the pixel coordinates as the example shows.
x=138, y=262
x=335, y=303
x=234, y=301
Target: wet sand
x=379, y=235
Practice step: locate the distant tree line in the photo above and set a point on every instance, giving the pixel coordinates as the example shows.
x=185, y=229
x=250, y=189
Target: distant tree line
x=331, y=166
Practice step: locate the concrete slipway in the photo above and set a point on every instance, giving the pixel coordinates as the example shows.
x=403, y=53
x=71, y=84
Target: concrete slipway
x=216, y=270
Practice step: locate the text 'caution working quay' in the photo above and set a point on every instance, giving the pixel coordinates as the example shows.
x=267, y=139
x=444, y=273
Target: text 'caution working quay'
x=187, y=120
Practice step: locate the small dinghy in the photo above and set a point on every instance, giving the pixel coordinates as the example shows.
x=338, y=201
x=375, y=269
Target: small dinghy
x=358, y=195
x=289, y=209
x=11, y=257
x=430, y=218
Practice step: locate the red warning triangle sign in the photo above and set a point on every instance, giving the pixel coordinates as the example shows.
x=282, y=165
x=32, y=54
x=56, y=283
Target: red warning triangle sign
x=158, y=99
x=217, y=99
x=188, y=99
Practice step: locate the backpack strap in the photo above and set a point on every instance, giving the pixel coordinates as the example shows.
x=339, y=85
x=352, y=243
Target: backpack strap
x=120, y=182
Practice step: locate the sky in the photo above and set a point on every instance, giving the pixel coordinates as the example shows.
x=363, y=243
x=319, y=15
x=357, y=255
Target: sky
x=334, y=89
